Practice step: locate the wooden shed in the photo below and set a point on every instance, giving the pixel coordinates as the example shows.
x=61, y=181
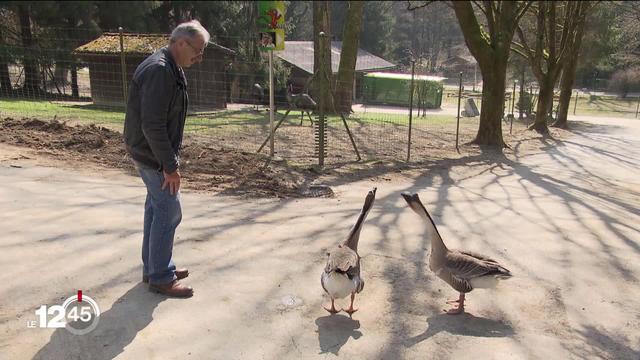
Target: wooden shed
x=206, y=82
x=459, y=63
x=300, y=56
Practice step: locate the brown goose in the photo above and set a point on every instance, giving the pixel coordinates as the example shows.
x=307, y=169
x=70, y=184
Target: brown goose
x=341, y=275
x=463, y=270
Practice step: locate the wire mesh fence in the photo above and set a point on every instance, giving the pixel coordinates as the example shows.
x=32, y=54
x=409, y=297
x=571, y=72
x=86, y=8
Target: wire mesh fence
x=81, y=81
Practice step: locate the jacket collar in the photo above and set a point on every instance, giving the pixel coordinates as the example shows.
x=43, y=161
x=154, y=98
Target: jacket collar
x=180, y=75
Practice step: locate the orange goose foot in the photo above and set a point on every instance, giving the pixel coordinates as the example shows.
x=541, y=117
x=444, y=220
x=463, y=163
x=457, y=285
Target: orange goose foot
x=351, y=310
x=456, y=310
x=333, y=308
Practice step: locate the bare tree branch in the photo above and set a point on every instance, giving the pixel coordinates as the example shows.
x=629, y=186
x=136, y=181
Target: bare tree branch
x=414, y=7
x=537, y=57
x=523, y=10
x=495, y=6
x=472, y=32
x=479, y=6
x=569, y=20
x=523, y=41
x=518, y=50
x=491, y=22
x=551, y=27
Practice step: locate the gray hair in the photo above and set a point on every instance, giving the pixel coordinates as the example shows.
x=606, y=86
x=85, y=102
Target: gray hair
x=189, y=29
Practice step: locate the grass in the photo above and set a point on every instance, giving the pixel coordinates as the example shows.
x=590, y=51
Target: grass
x=87, y=113
x=604, y=105
x=64, y=111
x=234, y=120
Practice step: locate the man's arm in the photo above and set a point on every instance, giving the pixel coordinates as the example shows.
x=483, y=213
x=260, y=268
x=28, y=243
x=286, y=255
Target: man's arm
x=156, y=92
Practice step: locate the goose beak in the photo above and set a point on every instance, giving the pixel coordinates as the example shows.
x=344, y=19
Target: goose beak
x=408, y=196
x=413, y=201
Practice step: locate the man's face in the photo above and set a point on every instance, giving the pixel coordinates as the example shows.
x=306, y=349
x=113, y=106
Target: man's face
x=191, y=50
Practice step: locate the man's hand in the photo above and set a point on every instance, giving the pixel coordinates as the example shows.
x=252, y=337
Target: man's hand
x=173, y=181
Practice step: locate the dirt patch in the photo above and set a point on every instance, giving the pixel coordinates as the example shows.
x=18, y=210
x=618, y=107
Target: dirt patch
x=204, y=167
x=225, y=169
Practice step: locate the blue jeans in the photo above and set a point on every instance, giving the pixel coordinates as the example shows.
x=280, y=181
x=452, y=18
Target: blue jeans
x=162, y=215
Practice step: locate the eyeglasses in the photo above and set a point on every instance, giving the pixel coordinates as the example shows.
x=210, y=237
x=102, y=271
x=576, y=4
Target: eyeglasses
x=199, y=52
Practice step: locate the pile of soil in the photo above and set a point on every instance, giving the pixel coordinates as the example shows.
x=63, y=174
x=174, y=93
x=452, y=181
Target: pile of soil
x=203, y=166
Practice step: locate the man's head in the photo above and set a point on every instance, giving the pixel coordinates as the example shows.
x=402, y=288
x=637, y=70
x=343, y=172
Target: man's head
x=187, y=43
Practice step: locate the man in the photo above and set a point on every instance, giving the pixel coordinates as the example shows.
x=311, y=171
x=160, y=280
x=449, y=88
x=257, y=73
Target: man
x=153, y=129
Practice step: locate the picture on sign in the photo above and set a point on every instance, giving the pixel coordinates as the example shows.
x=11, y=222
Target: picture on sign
x=271, y=25
x=268, y=39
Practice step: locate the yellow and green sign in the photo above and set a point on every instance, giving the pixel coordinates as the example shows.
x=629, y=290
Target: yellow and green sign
x=271, y=25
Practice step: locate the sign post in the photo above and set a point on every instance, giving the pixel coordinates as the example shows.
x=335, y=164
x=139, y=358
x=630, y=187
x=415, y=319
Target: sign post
x=271, y=37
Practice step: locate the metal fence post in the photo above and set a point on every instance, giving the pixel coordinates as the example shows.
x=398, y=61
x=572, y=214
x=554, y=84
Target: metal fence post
x=513, y=105
x=324, y=86
x=271, y=105
x=575, y=104
x=475, y=76
x=458, y=122
x=124, y=68
x=413, y=72
x=638, y=107
x=521, y=100
x=530, y=103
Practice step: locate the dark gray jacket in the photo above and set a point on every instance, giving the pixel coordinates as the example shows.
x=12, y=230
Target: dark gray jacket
x=156, y=112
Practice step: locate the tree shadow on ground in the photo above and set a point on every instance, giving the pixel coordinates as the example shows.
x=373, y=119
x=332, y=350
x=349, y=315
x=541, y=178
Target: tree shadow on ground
x=116, y=329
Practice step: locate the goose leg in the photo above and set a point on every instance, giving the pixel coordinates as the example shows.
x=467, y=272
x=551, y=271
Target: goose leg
x=333, y=308
x=459, y=309
x=351, y=310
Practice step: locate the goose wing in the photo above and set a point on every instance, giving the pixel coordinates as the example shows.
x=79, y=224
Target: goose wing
x=341, y=259
x=467, y=265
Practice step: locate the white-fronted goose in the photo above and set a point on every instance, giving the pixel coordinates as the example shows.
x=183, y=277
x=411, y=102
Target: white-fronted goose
x=463, y=270
x=341, y=275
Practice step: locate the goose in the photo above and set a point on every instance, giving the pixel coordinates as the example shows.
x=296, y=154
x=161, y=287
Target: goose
x=341, y=275
x=462, y=270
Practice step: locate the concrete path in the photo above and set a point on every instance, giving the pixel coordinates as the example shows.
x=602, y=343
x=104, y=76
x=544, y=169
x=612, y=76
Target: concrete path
x=566, y=222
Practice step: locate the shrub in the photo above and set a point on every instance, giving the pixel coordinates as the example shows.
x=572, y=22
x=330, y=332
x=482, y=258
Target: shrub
x=625, y=80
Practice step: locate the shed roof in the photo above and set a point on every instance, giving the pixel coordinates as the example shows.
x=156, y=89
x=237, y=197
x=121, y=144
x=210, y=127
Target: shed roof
x=459, y=59
x=384, y=75
x=300, y=54
x=143, y=44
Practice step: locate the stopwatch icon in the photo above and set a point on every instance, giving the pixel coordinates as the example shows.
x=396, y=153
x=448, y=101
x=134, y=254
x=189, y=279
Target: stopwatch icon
x=82, y=314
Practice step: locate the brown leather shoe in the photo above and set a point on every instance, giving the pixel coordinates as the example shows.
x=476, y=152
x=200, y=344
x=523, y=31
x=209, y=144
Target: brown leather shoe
x=180, y=274
x=173, y=289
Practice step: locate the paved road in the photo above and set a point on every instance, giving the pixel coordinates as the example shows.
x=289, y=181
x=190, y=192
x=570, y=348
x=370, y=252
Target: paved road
x=565, y=221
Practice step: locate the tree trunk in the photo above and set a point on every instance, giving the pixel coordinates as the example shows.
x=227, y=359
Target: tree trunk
x=550, y=56
x=433, y=59
x=492, y=59
x=31, y=78
x=5, y=80
x=566, y=88
x=569, y=76
x=545, y=103
x=348, y=57
x=490, y=129
x=60, y=73
x=75, y=92
x=321, y=23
